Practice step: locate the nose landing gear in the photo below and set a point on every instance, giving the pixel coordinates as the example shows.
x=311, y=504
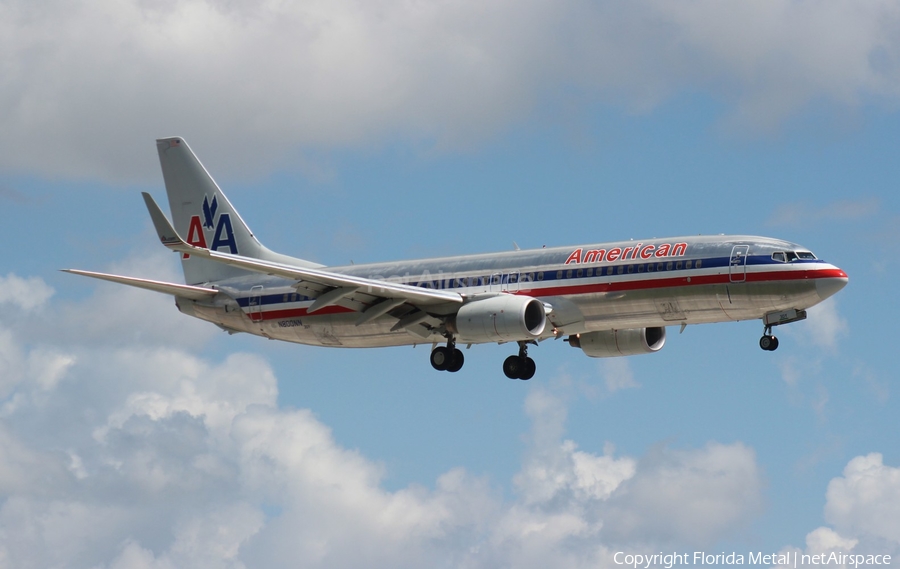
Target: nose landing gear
x=520, y=366
x=768, y=342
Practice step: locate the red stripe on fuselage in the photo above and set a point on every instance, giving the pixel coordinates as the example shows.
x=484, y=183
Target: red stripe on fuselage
x=686, y=280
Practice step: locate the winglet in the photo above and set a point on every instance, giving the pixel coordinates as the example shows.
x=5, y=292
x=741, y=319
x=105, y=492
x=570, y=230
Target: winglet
x=167, y=234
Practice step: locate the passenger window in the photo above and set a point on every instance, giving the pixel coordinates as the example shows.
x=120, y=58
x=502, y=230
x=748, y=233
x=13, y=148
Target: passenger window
x=558, y=275
x=630, y=269
x=659, y=266
x=678, y=266
x=669, y=266
x=590, y=273
x=569, y=274
x=640, y=268
x=698, y=263
x=621, y=269
x=650, y=267
x=687, y=264
x=579, y=273
x=540, y=275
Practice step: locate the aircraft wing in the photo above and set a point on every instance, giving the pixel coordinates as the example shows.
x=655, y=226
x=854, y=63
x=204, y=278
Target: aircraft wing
x=339, y=285
x=184, y=291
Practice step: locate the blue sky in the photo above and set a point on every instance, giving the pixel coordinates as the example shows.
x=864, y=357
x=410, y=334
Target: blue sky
x=131, y=435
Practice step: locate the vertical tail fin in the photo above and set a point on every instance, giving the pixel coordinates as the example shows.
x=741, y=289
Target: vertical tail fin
x=204, y=216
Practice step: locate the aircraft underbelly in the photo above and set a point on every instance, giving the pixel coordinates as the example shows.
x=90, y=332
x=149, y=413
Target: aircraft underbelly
x=694, y=304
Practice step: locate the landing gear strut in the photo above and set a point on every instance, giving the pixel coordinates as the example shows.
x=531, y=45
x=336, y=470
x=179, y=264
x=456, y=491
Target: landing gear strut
x=447, y=358
x=520, y=366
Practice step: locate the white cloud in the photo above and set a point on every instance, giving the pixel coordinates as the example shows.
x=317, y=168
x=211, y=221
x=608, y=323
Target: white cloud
x=694, y=496
x=27, y=294
x=125, y=315
x=829, y=325
x=866, y=499
x=618, y=375
x=861, y=506
x=92, y=84
x=115, y=454
x=554, y=470
x=824, y=539
x=824, y=329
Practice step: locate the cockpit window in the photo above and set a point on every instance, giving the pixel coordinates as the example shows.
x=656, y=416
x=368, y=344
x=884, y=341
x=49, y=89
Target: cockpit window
x=788, y=256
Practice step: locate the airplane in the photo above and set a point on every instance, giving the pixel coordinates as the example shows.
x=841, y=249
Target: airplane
x=608, y=299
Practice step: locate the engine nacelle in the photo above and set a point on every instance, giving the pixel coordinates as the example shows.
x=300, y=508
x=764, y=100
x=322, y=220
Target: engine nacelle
x=502, y=318
x=615, y=343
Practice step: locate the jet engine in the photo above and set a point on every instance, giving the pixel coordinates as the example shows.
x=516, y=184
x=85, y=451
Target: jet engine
x=615, y=343
x=502, y=318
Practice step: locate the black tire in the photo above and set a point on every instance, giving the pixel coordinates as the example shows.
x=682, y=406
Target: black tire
x=441, y=358
x=456, y=361
x=512, y=367
x=768, y=343
x=528, y=369
x=774, y=345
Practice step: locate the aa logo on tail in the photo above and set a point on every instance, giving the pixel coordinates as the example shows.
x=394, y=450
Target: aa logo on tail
x=223, y=234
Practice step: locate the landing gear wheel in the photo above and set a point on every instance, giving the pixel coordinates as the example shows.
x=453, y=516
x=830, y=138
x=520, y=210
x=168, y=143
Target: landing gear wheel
x=769, y=343
x=441, y=358
x=456, y=361
x=512, y=367
x=519, y=367
x=529, y=369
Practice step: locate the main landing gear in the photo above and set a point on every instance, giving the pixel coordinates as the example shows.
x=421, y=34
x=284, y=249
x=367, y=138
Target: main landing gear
x=447, y=358
x=520, y=366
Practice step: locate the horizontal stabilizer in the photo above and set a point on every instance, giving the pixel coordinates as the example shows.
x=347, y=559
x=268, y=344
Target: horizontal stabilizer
x=184, y=291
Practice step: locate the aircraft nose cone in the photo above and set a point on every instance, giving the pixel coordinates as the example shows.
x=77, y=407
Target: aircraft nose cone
x=829, y=286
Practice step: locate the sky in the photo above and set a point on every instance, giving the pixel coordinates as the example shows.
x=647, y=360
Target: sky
x=134, y=436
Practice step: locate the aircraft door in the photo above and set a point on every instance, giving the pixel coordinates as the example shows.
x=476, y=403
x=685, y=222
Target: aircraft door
x=511, y=281
x=496, y=283
x=737, y=267
x=255, y=304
